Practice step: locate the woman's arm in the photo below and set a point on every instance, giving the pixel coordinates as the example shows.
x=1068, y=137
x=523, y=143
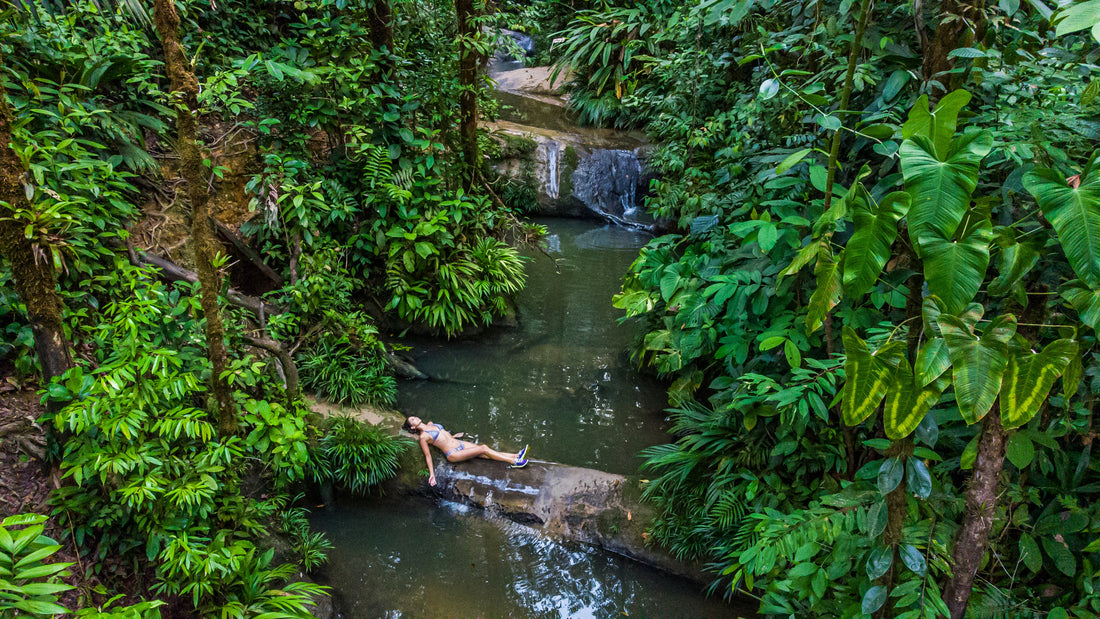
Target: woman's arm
x=428, y=458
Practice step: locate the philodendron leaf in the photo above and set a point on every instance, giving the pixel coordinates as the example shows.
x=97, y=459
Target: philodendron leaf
x=940, y=189
x=876, y=227
x=955, y=269
x=932, y=361
x=828, y=292
x=1075, y=214
x=1013, y=263
x=1029, y=378
x=1085, y=300
x=938, y=125
x=868, y=376
x=977, y=363
x=907, y=402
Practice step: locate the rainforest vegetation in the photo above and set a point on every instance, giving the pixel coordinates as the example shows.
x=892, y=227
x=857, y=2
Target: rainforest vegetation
x=874, y=296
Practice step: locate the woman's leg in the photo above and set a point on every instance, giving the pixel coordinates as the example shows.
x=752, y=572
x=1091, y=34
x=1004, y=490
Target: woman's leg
x=470, y=450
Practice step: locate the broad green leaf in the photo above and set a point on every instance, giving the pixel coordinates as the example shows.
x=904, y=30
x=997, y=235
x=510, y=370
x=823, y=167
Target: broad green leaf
x=805, y=256
x=39, y=607
x=1029, y=378
x=1085, y=300
x=938, y=125
x=1019, y=450
x=1076, y=17
x=1060, y=553
x=1071, y=377
x=927, y=431
x=1075, y=215
x=955, y=269
x=1013, y=263
x=978, y=363
x=917, y=478
x=913, y=559
x=879, y=561
x=868, y=250
x=932, y=361
x=940, y=190
x=868, y=376
x=792, y=160
x=828, y=292
x=873, y=599
x=1030, y=553
x=890, y=474
x=907, y=402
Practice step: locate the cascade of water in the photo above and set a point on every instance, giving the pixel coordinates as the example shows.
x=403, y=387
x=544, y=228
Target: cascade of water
x=550, y=150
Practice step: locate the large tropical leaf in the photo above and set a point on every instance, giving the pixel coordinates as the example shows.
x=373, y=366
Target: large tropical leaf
x=939, y=124
x=867, y=376
x=828, y=292
x=906, y=401
x=869, y=248
x=955, y=270
x=933, y=359
x=1013, y=262
x=1085, y=300
x=941, y=190
x=1075, y=214
x=977, y=363
x=1028, y=380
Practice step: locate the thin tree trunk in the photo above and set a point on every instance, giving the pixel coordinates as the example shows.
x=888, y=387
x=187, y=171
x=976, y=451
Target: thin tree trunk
x=960, y=22
x=981, y=502
x=845, y=96
x=380, y=22
x=186, y=88
x=468, y=60
x=35, y=280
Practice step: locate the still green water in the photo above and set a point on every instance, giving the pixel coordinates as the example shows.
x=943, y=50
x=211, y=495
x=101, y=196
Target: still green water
x=420, y=558
x=561, y=380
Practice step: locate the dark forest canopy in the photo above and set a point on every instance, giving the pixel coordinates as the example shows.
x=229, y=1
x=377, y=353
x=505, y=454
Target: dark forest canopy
x=875, y=298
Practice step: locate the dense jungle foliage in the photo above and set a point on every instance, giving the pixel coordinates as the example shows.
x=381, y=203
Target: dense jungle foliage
x=884, y=221
x=876, y=299
x=173, y=398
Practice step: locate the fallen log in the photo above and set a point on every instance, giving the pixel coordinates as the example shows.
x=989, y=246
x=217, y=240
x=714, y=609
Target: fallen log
x=228, y=235
x=177, y=273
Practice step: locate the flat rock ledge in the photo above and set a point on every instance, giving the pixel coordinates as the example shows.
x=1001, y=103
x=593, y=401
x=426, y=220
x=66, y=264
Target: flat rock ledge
x=564, y=502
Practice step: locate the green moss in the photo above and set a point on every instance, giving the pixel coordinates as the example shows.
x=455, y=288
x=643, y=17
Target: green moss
x=610, y=521
x=569, y=161
x=515, y=146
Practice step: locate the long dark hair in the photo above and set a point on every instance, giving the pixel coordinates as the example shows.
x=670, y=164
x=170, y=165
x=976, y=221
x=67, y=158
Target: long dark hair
x=408, y=427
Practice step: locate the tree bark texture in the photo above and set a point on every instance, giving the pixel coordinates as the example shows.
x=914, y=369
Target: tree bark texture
x=468, y=60
x=290, y=370
x=186, y=89
x=380, y=22
x=960, y=22
x=35, y=280
x=981, y=502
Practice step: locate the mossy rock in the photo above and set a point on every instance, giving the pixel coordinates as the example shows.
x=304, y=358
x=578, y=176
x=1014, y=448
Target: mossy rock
x=515, y=146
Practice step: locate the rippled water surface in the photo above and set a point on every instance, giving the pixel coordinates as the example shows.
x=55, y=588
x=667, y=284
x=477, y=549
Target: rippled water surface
x=560, y=381
x=416, y=558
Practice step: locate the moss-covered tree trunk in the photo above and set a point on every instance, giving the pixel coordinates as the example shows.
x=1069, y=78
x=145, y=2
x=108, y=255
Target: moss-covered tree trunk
x=185, y=88
x=35, y=280
x=981, y=502
x=468, y=60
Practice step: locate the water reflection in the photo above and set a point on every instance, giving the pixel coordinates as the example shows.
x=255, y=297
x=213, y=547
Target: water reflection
x=562, y=380
x=410, y=558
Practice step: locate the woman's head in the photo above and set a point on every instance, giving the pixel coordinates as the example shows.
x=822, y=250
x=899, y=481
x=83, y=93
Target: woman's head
x=412, y=424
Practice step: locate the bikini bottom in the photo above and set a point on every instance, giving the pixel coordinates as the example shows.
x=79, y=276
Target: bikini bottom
x=447, y=454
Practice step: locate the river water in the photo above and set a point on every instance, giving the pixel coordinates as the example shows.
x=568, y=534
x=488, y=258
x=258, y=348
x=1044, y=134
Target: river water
x=420, y=558
x=561, y=381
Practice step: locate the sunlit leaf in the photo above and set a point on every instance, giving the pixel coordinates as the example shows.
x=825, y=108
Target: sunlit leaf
x=977, y=363
x=955, y=269
x=1075, y=214
x=868, y=376
x=1028, y=379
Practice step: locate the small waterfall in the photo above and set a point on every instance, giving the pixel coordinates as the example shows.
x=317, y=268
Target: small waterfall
x=550, y=152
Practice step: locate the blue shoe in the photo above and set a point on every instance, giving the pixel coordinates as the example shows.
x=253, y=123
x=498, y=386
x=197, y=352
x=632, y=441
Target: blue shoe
x=522, y=453
x=518, y=464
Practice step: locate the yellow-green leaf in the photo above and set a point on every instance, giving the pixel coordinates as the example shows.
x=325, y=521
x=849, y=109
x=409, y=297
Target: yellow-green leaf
x=1029, y=378
x=1075, y=214
x=867, y=376
x=955, y=269
x=977, y=363
x=828, y=292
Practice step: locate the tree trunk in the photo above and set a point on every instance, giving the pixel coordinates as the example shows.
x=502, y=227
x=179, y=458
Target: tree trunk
x=290, y=370
x=981, y=502
x=186, y=89
x=380, y=22
x=35, y=280
x=468, y=60
x=960, y=21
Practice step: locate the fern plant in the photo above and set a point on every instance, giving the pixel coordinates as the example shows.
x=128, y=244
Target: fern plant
x=356, y=455
x=335, y=370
